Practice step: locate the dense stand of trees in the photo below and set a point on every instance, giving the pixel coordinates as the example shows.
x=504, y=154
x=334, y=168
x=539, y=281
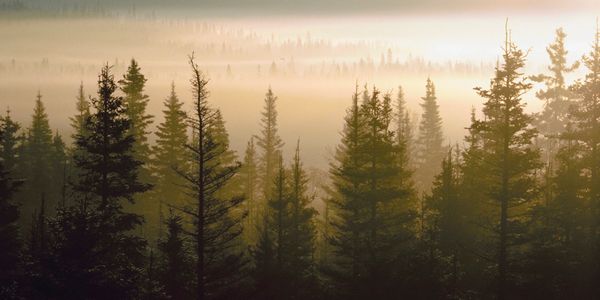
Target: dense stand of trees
x=512, y=212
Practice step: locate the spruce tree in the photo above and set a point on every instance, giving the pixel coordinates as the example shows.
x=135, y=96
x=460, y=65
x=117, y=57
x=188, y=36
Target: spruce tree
x=170, y=156
x=176, y=264
x=269, y=143
x=511, y=161
x=9, y=214
x=36, y=168
x=249, y=182
x=586, y=131
x=83, y=112
x=446, y=229
x=217, y=220
x=135, y=101
x=404, y=130
x=94, y=253
x=556, y=96
x=429, y=152
x=10, y=142
x=372, y=201
x=302, y=231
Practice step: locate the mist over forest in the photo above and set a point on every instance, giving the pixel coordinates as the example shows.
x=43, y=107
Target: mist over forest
x=299, y=149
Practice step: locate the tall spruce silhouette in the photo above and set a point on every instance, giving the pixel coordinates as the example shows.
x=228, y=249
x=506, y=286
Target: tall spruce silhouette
x=511, y=161
x=216, y=220
x=429, y=150
x=94, y=253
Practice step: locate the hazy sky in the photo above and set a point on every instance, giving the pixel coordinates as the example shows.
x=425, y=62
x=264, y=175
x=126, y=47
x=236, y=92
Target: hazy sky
x=244, y=7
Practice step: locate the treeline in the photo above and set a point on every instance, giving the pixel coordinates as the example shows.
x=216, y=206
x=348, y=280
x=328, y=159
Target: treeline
x=513, y=213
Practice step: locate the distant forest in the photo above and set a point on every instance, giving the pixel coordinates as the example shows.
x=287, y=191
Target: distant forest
x=511, y=213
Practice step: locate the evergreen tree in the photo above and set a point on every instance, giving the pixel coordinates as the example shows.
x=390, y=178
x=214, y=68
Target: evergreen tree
x=10, y=142
x=302, y=232
x=269, y=143
x=290, y=222
x=557, y=98
x=511, y=161
x=217, y=221
x=83, y=112
x=586, y=131
x=249, y=182
x=404, y=131
x=429, y=143
x=176, y=264
x=446, y=229
x=37, y=153
x=135, y=102
x=94, y=254
x=372, y=199
x=9, y=214
x=170, y=156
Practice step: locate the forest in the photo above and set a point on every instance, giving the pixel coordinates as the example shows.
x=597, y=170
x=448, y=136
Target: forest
x=132, y=204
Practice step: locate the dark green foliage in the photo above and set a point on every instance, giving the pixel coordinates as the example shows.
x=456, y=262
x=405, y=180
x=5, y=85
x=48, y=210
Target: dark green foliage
x=557, y=98
x=10, y=240
x=216, y=220
x=135, y=102
x=170, y=155
x=175, y=270
x=586, y=132
x=288, y=233
x=249, y=183
x=269, y=143
x=93, y=254
x=372, y=201
x=510, y=162
x=429, y=152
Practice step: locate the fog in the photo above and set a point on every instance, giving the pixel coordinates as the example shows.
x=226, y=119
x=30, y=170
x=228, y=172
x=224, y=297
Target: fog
x=311, y=61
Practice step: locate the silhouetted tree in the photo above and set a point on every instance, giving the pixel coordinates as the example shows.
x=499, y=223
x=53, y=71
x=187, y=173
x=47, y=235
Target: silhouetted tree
x=10, y=240
x=217, y=221
x=269, y=143
x=557, y=98
x=170, y=155
x=586, y=131
x=511, y=161
x=429, y=152
x=94, y=253
x=176, y=272
x=372, y=202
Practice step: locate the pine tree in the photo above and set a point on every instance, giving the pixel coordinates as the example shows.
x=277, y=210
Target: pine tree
x=302, y=231
x=135, y=101
x=554, y=263
x=510, y=158
x=9, y=214
x=37, y=153
x=586, y=131
x=372, y=199
x=83, y=112
x=176, y=268
x=557, y=98
x=249, y=182
x=10, y=142
x=404, y=131
x=269, y=143
x=94, y=252
x=59, y=163
x=170, y=157
x=217, y=221
x=429, y=143
x=446, y=228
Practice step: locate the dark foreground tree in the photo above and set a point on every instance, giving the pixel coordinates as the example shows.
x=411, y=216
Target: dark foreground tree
x=10, y=241
x=217, y=221
x=93, y=253
x=510, y=161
